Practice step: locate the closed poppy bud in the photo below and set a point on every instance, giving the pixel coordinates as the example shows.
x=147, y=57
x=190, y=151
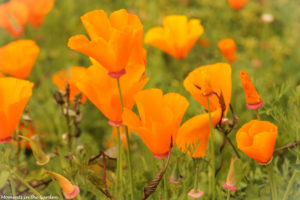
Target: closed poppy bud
x=257, y=139
x=102, y=90
x=114, y=41
x=64, y=77
x=159, y=121
x=252, y=97
x=17, y=58
x=228, y=48
x=37, y=10
x=230, y=181
x=177, y=36
x=13, y=17
x=237, y=4
x=14, y=95
x=40, y=156
x=208, y=79
x=70, y=191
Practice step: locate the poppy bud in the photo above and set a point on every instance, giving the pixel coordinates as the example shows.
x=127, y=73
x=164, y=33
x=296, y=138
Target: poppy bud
x=228, y=49
x=230, y=181
x=40, y=156
x=70, y=191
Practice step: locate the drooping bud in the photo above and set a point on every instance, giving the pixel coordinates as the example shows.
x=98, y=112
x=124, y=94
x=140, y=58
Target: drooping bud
x=230, y=181
x=70, y=191
x=38, y=153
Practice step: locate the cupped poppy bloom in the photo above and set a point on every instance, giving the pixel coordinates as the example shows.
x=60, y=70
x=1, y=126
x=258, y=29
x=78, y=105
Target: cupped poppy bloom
x=13, y=17
x=159, y=121
x=64, y=77
x=195, y=133
x=237, y=4
x=257, y=139
x=252, y=97
x=102, y=90
x=37, y=10
x=113, y=41
x=177, y=36
x=213, y=82
x=14, y=94
x=70, y=191
x=17, y=58
x=228, y=48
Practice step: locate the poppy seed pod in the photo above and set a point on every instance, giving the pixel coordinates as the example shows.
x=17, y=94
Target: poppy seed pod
x=177, y=36
x=257, y=139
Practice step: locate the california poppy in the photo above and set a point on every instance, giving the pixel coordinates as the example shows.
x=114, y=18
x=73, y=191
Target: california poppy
x=230, y=180
x=252, y=97
x=70, y=191
x=37, y=9
x=14, y=94
x=13, y=17
x=114, y=41
x=102, y=90
x=69, y=76
x=195, y=132
x=122, y=136
x=257, y=139
x=214, y=78
x=29, y=132
x=17, y=58
x=159, y=121
x=228, y=49
x=237, y=4
x=212, y=82
x=177, y=36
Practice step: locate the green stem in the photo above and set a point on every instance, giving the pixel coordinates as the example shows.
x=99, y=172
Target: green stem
x=196, y=176
x=212, y=169
x=128, y=145
x=28, y=186
x=290, y=184
x=119, y=163
x=271, y=179
x=228, y=194
x=12, y=186
x=165, y=184
x=257, y=114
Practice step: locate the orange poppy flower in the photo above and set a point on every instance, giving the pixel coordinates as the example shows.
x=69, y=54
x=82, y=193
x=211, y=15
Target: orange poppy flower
x=14, y=94
x=113, y=41
x=69, y=76
x=13, y=17
x=177, y=36
x=70, y=191
x=237, y=4
x=228, y=49
x=257, y=139
x=1, y=75
x=17, y=58
x=209, y=79
x=196, y=130
x=160, y=118
x=252, y=97
x=102, y=90
x=37, y=9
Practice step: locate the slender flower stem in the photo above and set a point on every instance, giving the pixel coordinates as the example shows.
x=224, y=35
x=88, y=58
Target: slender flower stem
x=165, y=183
x=28, y=186
x=257, y=114
x=228, y=195
x=128, y=145
x=212, y=169
x=196, y=176
x=271, y=179
x=12, y=186
x=119, y=163
x=290, y=184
